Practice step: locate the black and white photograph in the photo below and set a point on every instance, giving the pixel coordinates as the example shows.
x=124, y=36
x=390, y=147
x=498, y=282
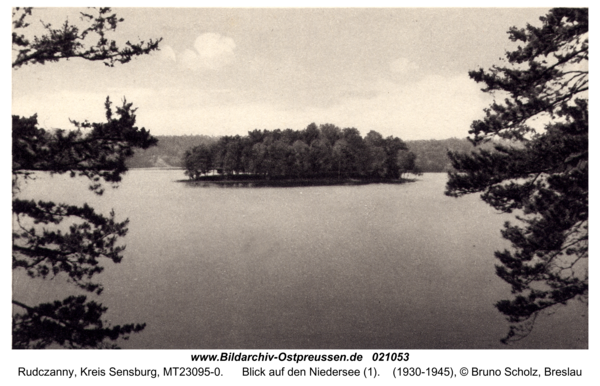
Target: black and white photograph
x=264, y=179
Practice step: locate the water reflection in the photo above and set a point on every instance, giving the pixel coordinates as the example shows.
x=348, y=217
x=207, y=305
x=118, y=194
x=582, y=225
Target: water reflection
x=286, y=183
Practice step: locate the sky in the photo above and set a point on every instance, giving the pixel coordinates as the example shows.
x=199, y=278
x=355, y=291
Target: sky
x=226, y=71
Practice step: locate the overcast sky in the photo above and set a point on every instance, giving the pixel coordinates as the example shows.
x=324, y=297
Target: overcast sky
x=399, y=71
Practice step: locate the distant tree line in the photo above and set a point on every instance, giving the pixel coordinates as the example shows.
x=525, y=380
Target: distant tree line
x=432, y=154
x=169, y=151
x=323, y=151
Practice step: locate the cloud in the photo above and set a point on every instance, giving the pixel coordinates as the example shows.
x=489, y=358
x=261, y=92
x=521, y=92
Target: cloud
x=211, y=45
x=211, y=52
x=403, y=66
x=167, y=54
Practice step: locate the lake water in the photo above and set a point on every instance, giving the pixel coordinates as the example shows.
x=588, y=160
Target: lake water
x=371, y=266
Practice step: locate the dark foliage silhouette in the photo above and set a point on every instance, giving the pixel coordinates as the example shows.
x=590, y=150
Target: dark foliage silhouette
x=543, y=175
x=51, y=239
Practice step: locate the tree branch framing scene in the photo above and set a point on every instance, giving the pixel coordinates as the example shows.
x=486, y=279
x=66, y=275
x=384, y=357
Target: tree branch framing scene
x=311, y=178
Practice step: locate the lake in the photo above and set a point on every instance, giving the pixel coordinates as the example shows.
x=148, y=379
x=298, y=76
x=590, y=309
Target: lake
x=371, y=266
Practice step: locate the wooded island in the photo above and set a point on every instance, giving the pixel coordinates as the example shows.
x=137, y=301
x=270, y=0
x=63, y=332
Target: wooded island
x=323, y=152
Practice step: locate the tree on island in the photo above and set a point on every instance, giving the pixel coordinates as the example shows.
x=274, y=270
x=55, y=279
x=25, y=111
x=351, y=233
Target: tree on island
x=42, y=243
x=544, y=175
x=406, y=162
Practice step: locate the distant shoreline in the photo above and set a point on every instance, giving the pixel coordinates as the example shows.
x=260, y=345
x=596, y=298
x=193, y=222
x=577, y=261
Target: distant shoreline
x=245, y=181
x=156, y=168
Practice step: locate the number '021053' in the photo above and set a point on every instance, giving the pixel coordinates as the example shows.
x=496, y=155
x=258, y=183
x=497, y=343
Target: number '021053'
x=393, y=356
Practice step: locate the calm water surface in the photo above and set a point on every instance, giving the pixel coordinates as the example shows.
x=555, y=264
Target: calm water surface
x=373, y=266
